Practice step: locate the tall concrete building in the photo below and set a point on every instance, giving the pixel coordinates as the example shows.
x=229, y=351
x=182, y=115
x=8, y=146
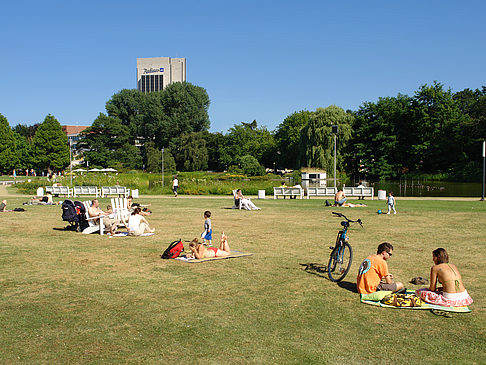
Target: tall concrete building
x=154, y=74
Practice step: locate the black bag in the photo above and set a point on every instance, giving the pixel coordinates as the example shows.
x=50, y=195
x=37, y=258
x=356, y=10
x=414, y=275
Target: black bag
x=173, y=251
x=69, y=211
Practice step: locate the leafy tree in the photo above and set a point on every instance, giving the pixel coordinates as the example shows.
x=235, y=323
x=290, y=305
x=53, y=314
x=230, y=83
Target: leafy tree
x=215, y=143
x=8, y=157
x=317, y=140
x=154, y=159
x=50, y=145
x=248, y=139
x=27, y=131
x=250, y=166
x=380, y=144
x=287, y=138
x=105, y=141
x=190, y=152
x=437, y=121
x=129, y=156
x=128, y=106
x=23, y=150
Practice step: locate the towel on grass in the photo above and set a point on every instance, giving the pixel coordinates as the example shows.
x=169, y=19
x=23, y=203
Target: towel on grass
x=125, y=234
x=234, y=254
x=373, y=299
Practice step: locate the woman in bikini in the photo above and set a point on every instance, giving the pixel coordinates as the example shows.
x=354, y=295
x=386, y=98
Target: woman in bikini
x=199, y=251
x=452, y=293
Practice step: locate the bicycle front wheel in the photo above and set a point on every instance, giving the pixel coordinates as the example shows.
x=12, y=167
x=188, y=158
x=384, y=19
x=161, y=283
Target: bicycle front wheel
x=340, y=262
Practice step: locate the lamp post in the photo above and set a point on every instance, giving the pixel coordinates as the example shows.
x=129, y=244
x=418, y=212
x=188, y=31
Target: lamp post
x=71, y=160
x=162, y=170
x=334, y=130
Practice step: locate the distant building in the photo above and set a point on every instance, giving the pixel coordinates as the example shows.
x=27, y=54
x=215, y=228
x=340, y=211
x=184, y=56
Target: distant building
x=154, y=74
x=72, y=132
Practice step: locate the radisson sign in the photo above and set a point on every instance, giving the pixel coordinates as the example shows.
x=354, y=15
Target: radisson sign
x=152, y=70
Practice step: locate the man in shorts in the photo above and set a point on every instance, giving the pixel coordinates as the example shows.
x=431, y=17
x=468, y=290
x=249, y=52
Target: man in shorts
x=373, y=272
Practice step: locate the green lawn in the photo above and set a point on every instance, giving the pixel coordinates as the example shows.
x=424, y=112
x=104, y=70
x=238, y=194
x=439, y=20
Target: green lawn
x=72, y=298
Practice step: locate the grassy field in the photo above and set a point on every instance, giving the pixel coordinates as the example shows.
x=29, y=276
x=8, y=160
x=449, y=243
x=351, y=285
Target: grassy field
x=73, y=298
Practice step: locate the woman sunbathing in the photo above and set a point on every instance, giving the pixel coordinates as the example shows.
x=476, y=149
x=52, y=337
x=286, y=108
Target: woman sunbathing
x=199, y=251
x=452, y=293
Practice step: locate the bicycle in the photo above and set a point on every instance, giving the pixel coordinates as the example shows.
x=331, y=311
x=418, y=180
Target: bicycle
x=342, y=253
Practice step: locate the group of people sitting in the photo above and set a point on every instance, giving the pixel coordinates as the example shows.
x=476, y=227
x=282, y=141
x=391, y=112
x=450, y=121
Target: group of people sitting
x=136, y=224
x=373, y=275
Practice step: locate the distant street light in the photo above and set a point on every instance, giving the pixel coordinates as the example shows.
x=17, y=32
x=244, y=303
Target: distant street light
x=334, y=130
x=162, y=170
x=71, y=160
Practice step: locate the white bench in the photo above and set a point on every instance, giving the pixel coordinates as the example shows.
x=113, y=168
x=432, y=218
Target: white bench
x=59, y=190
x=86, y=190
x=115, y=190
x=321, y=191
x=360, y=192
x=287, y=191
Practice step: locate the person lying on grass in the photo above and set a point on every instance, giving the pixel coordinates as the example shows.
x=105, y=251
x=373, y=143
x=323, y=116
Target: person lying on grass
x=199, y=251
x=452, y=293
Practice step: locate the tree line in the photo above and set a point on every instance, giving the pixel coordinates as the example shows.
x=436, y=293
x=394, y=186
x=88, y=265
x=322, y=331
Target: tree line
x=435, y=131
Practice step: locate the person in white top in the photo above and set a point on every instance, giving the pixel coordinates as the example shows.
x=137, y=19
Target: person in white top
x=175, y=185
x=137, y=224
x=391, y=203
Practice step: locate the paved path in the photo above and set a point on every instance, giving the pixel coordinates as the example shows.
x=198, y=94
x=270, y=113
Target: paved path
x=5, y=193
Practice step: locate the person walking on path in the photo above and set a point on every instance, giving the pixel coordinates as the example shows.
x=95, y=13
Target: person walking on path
x=175, y=185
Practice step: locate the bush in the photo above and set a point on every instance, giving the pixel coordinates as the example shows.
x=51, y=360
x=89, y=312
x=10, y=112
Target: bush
x=251, y=167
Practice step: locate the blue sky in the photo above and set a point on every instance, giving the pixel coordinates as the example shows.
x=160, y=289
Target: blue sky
x=258, y=60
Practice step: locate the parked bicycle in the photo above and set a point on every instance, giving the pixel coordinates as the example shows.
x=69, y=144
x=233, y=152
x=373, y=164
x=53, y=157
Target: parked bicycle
x=342, y=253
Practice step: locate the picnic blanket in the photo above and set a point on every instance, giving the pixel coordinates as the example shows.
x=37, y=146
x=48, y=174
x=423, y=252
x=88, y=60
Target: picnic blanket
x=125, y=234
x=234, y=254
x=364, y=299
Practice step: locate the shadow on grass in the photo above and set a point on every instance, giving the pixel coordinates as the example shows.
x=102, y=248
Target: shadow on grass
x=348, y=286
x=316, y=269
x=321, y=271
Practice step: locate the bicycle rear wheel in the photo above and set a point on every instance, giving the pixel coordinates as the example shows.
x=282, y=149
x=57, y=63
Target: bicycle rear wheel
x=340, y=262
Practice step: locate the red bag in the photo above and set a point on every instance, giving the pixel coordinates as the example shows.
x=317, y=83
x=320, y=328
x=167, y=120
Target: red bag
x=173, y=251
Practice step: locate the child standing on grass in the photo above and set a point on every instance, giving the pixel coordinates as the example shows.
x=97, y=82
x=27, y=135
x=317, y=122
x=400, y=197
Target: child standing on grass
x=208, y=231
x=391, y=203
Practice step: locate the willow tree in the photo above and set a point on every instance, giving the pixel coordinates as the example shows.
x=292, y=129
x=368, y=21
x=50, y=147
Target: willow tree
x=317, y=140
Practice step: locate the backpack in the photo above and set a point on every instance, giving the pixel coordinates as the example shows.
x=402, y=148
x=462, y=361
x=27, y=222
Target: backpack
x=173, y=251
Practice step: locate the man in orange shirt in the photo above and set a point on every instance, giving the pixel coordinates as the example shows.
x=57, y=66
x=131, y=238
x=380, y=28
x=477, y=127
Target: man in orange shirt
x=373, y=272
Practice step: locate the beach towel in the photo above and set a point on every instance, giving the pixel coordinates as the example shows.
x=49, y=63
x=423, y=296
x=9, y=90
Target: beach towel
x=373, y=299
x=234, y=254
x=125, y=234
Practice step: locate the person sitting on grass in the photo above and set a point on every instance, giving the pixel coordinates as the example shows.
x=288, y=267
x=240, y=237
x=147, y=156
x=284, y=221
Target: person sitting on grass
x=340, y=199
x=199, y=251
x=3, y=206
x=132, y=205
x=452, y=293
x=137, y=224
x=373, y=272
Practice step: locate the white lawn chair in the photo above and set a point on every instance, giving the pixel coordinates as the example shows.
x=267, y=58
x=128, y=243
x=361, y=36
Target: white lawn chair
x=120, y=209
x=92, y=226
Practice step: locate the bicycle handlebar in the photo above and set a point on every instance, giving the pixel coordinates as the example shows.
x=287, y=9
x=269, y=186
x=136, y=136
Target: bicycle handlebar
x=349, y=220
